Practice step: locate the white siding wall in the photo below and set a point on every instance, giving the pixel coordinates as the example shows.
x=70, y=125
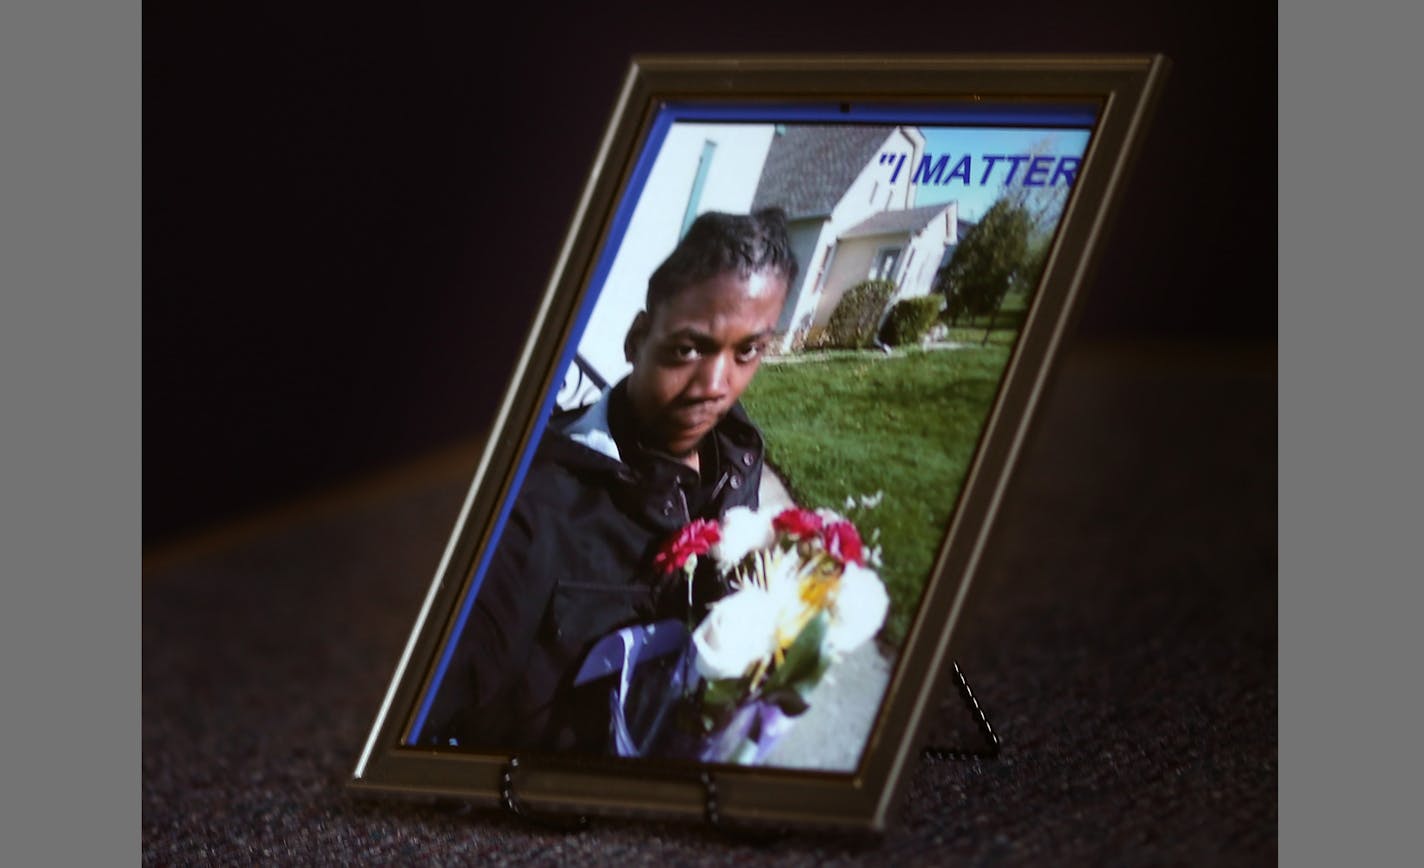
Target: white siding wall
x=854, y=258
x=806, y=246
x=917, y=276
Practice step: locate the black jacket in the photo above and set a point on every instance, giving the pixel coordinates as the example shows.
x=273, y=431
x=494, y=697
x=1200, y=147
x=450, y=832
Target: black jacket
x=573, y=564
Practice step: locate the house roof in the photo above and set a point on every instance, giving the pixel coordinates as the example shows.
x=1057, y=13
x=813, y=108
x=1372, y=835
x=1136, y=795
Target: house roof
x=809, y=167
x=898, y=222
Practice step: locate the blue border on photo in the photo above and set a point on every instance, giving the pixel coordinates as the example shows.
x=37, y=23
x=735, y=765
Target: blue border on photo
x=1081, y=115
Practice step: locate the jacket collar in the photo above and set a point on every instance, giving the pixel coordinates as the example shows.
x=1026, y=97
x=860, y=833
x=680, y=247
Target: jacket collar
x=591, y=429
x=589, y=441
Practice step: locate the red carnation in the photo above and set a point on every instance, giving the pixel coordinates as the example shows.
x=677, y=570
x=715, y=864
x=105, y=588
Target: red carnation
x=843, y=542
x=797, y=522
x=694, y=539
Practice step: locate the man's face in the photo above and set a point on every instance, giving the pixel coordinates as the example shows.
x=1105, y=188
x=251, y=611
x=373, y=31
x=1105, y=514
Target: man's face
x=696, y=353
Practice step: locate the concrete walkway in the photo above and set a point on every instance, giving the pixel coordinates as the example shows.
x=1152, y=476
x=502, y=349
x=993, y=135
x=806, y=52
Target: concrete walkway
x=832, y=732
x=773, y=493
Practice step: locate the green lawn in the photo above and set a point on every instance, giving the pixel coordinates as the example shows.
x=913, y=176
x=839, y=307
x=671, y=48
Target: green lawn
x=998, y=337
x=906, y=425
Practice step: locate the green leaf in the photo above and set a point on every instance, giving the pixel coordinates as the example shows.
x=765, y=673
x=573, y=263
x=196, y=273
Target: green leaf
x=808, y=683
x=722, y=693
x=803, y=658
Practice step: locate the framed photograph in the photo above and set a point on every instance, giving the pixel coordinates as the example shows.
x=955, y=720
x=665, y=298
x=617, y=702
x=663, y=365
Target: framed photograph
x=732, y=504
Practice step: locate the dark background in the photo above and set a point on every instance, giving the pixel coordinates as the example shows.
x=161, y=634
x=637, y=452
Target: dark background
x=349, y=215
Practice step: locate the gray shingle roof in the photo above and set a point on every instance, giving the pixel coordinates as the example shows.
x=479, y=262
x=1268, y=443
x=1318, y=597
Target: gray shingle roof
x=902, y=221
x=810, y=166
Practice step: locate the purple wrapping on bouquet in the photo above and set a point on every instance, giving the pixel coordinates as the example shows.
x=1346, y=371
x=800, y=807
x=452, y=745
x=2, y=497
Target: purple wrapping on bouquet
x=753, y=730
x=647, y=668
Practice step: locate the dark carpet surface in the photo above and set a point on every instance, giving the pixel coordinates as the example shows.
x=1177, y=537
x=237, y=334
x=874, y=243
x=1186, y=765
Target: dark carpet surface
x=1122, y=639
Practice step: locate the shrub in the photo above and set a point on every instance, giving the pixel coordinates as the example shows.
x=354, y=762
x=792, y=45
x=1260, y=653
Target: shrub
x=856, y=318
x=813, y=339
x=910, y=320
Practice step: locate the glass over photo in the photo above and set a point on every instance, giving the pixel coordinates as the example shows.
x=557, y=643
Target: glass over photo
x=739, y=485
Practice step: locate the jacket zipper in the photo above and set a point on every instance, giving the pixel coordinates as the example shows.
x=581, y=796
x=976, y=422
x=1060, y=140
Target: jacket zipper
x=726, y=475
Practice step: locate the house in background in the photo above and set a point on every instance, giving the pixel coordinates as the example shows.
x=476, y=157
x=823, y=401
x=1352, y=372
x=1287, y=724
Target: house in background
x=849, y=196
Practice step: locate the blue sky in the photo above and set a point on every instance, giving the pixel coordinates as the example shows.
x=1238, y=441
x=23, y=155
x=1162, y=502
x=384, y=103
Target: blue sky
x=985, y=179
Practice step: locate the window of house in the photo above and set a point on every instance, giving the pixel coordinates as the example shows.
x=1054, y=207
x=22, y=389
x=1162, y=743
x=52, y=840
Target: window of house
x=882, y=267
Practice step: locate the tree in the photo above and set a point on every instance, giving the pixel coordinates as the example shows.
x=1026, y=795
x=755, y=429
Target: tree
x=993, y=258
x=1044, y=204
x=1039, y=208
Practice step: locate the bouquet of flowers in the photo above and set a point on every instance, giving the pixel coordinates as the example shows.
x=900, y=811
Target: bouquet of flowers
x=802, y=592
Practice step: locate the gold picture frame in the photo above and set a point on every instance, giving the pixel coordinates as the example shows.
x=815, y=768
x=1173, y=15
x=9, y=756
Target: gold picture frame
x=768, y=104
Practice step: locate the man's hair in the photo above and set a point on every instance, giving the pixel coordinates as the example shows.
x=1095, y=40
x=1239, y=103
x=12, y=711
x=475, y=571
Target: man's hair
x=718, y=243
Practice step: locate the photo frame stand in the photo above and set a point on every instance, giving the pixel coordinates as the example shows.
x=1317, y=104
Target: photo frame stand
x=511, y=803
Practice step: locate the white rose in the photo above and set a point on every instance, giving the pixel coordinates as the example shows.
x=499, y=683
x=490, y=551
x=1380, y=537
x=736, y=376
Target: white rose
x=743, y=532
x=739, y=630
x=858, y=610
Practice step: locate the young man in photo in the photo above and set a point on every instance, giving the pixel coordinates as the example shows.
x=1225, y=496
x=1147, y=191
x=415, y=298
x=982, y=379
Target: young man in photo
x=609, y=484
